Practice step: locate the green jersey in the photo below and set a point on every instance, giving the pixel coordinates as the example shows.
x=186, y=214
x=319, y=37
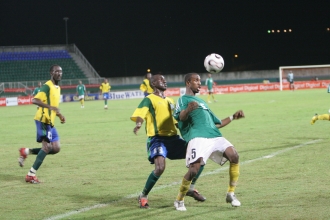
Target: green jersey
x=209, y=83
x=35, y=91
x=81, y=89
x=200, y=123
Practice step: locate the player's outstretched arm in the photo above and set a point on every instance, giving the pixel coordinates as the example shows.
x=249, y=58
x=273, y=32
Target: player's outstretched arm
x=138, y=125
x=185, y=113
x=237, y=115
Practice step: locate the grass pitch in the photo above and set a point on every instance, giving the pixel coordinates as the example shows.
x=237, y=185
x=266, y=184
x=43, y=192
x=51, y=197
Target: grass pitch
x=103, y=166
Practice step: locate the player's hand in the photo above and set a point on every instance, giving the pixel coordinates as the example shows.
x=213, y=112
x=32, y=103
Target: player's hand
x=137, y=127
x=62, y=118
x=192, y=106
x=135, y=130
x=239, y=114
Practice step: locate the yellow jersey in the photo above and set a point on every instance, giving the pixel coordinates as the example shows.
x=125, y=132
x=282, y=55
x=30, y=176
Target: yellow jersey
x=105, y=87
x=158, y=115
x=49, y=94
x=145, y=86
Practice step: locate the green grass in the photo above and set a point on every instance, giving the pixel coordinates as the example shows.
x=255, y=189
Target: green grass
x=103, y=162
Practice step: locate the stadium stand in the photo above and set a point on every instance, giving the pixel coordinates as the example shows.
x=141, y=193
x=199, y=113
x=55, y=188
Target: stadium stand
x=32, y=65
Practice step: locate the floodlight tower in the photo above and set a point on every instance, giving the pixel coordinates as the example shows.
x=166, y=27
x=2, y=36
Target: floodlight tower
x=66, y=29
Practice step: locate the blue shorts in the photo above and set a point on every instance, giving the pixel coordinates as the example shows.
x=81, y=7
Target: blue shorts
x=173, y=147
x=46, y=132
x=106, y=95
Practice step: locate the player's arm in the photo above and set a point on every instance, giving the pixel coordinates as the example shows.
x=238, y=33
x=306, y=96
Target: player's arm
x=237, y=115
x=184, y=114
x=138, y=124
x=39, y=103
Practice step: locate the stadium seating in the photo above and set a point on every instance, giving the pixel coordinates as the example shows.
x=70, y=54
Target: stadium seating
x=32, y=66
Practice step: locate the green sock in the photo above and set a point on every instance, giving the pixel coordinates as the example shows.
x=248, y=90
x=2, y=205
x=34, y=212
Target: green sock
x=34, y=150
x=40, y=158
x=197, y=175
x=105, y=102
x=151, y=181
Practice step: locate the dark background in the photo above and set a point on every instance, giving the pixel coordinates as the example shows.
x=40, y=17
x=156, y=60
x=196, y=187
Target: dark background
x=125, y=38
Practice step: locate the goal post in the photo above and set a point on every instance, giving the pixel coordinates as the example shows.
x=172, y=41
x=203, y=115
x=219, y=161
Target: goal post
x=303, y=73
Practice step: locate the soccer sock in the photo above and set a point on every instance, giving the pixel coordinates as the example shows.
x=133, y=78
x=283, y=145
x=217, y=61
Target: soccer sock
x=40, y=158
x=208, y=97
x=82, y=101
x=32, y=172
x=105, y=102
x=34, y=150
x=233, y=176
x=151, y=181
x=323, y=117
x=183, y=189
x=192, y=185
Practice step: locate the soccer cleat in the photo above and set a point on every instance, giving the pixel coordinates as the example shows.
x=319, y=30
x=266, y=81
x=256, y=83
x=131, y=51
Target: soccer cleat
x=209, y=102
x=143, y=201
x=31, y=179
x=195, y=194
x=314, y=119
x=179, y=205
x=231, y=198
x=22, y=156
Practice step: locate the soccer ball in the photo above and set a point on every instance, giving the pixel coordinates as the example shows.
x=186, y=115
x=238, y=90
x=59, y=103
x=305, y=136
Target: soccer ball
x=214, y=63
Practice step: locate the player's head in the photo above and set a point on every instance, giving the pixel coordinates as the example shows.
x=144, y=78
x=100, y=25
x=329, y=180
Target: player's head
x=148, y=76
x=80, y=82
x=105, y=80
x=209, y=75
x=193, y=82
x=55, y=73
x=39, y=84
x=158, y=82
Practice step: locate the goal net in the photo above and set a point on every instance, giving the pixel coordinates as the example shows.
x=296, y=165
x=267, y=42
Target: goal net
x=304, y=73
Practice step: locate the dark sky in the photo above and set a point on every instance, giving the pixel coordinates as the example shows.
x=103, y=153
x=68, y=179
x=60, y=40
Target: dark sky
x=125, y=38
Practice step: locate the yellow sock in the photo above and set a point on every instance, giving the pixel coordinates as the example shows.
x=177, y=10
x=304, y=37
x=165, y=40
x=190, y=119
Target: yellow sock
x=82, y=102
x=208, y=97
x=323, y=117
x=183, y=189
x=233, y=176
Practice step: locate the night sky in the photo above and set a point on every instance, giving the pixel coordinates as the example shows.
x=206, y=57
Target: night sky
x=125, y=38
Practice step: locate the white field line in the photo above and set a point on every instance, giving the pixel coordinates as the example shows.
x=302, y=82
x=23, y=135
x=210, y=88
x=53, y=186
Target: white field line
x=135, y=195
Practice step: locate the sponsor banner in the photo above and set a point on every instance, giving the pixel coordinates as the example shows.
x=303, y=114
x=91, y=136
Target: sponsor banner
x=11, y=101
x=218, y=89
x=2, y=101
x=112, y=96
x=24, y=100
x=14, y=90
x=172, y=92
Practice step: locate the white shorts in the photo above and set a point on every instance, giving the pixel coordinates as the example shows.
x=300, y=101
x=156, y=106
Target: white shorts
x=81, y=97
x=206, y=148
x=209, y=90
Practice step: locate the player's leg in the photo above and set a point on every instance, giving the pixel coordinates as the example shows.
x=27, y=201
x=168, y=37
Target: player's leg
x=82, y=100
x=213, y=97
x=232, y=155
x=208, y=97
x=157, y=153
x=176, y=149
x=185, y=184
x=50, y=145
x=316, y=117
x=105, y=97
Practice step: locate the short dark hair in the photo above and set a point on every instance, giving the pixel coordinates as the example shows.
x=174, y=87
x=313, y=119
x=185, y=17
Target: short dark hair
x=187, y=77
x=52, y=67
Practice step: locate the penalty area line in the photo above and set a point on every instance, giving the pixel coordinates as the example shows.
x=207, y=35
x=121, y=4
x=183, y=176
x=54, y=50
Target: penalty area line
x=101, y=205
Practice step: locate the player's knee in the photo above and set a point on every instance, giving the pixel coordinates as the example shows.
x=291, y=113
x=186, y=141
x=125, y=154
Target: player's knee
x=234, y=158
x=159, y=169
